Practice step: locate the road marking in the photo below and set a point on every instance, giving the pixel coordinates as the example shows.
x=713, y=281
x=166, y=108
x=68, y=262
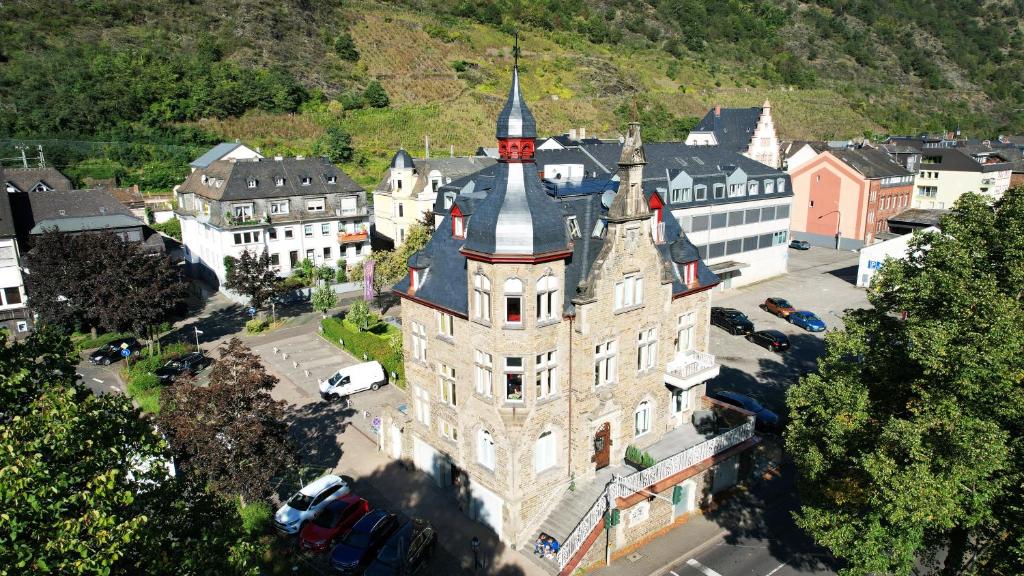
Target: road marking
x=114, y=388
x=707, y=571
x=673, y=573
x=97, y=380
x=777, y=568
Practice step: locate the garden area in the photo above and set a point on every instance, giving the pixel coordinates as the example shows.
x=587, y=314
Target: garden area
x=142, y=383
x=364, y=334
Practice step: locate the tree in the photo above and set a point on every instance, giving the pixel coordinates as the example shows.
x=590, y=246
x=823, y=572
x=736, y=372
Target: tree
x=254, y=277
x=230, y=433
x=78, y=281
x=345, y=47
x=85, y=487
x=336, y=144
x=908, y=439
x=376, y=96
x=359, y=314
x=324, y=299
x=391, y=265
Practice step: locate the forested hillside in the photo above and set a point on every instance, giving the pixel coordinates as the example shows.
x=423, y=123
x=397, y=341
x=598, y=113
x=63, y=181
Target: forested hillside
x=156, y=81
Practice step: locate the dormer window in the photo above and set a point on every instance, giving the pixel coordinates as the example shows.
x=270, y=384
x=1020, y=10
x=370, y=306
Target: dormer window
x=689, y=273
x=458, y=223
x=251, y=183
x=279, y=207
x=315, y=205
x=572, y=226
x=449, y=199
x=306, y=180
x=417, y=278
x=205, y=179
x=332, y=179
x=279, y=181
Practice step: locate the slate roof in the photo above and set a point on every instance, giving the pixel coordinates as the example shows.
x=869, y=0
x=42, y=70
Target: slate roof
x=919, y=216
x=235, y=176
x=956, y=160
x=7, y=229
x=449, y=167
x=25, y=179
x=870, y=163
x=78, y=211
x=214, y=154
x=401, y=160
x=515, y=119
x=733, y=127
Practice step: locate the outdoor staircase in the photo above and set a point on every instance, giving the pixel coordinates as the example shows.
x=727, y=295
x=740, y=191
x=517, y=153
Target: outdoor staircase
x=573, y=506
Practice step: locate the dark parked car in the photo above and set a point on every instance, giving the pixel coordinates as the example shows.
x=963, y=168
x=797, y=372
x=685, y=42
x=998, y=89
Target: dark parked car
x=771, y=339
x=362, y=543
x=800, y=245
x=192, y=363
x=407, y=551
x=332, y=522
x=111, y=352
x=765, y=418
x=734, y=321
x=778, y=306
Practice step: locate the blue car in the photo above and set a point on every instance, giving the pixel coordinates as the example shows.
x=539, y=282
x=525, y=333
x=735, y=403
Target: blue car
x=807, y=320
x=362, y=543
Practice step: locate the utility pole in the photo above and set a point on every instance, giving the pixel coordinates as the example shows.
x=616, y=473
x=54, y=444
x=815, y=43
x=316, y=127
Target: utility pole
x=42, y=160
x=24, y=159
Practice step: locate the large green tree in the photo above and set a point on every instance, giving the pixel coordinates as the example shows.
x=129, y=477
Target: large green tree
x=253, y=276
x=909, y=438
x=84, y=485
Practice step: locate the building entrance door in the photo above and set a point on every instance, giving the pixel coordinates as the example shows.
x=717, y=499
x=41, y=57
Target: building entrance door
x=603, y=446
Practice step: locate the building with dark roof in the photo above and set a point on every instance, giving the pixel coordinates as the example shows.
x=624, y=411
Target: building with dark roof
x=944, y=174
x=749, y=131
x=409, y=189
x=844, y=197
x=547, y=326
x=15, y=316
x=34, y=180
x=293, y=208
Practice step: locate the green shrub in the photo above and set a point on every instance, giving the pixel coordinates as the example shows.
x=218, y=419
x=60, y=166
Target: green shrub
x=381, y=349
x=255, y=517
x=87, y=342
x=256, y=325
x=359, y=315
x=646, y=460
x=142, y=382
x=292, y=283
x=149, y=400
x=171, y=228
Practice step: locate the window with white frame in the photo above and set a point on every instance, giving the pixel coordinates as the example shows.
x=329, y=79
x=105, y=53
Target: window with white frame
x=769, y=187
x=315, y=205
x=547, y=298
x=642, y=419
x=604, y=363
x=675, y=196
x=680, y=400
x=251, y=182
x=780, y=185
x=279, y=207
x=449, y=431
x=449, y=199
x=687, y=194
x=482, y=297
x=419, y=341
x=485, y=449
x=446, y=384
x=325, y=228
x=547, y=376
x=306, y=180
x=21, y=326
x=445, y=324
x=279, y=181
x=752, y=188
x=544, y=452
x=310, y=254
x=685, y=326
x=629, y=292
x=700, y=192
x=289, y=233
x=327, y=253
x=246, y=237
x=572, y=227
x=513, y=301
x=332, y=179
x=421, y=405
x=735, y=190
x=647, y=349
x=514, y=378
x=484, y=365
x=307, y=230
x=242, y=211
x=719, y=191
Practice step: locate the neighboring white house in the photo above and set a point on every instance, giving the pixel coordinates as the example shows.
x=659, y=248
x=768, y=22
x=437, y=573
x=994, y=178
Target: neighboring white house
x=874, y=255
x=225, y=151
x=294, y=208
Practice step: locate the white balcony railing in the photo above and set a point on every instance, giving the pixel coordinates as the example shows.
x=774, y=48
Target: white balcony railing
x=690, y=363
x=643, y=479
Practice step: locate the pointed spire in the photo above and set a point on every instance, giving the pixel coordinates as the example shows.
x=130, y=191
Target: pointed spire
x=516, y=120
x=633, y=146
x=629, y=202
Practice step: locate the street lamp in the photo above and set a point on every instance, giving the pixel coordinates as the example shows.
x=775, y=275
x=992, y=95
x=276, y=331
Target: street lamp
x=475, y=545
x=839, y=223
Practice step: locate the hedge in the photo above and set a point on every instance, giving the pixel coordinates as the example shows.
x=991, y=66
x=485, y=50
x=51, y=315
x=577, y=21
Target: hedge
x=358, y=343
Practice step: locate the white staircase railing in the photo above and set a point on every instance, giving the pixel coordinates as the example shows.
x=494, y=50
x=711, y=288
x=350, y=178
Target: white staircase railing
x=648, y=477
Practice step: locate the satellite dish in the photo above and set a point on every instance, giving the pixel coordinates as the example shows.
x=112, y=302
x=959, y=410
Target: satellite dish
x=607, y=197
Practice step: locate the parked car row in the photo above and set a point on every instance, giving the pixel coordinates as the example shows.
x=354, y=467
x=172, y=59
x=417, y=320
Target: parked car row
x=327, y=515
x=736, y=322
x=113, y=351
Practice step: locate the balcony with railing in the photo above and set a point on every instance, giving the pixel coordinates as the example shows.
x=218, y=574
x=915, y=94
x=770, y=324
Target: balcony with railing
x=357, y=235
x=691, y=367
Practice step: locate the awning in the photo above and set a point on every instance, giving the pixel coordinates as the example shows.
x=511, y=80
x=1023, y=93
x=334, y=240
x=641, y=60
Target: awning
x=729, y=266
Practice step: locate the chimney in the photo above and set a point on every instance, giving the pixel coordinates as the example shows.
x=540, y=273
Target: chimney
x=583, y=132
x=572, y=134
x=718, y=110
x=426, y=147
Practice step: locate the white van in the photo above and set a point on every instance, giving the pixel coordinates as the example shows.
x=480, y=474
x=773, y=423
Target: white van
x=348, y=381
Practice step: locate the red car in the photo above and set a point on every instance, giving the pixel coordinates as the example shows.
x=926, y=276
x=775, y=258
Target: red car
x=332, y=522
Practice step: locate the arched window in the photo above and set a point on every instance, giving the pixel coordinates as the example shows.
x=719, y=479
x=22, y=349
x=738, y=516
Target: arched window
x=513, y=301
x=780, y=185
x=544, y=452
x=485, y=449
x=642, y=419
x=547, y=298
x=482, y=297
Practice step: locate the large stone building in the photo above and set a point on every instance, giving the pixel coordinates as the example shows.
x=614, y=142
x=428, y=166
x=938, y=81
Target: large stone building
x=548, y=329
x=748, y=131
x=294, y=208
x=409, y=190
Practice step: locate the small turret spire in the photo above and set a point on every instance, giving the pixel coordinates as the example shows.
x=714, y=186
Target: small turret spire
x=630, y=203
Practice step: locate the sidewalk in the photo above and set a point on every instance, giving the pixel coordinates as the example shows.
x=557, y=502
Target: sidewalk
x=388, y=484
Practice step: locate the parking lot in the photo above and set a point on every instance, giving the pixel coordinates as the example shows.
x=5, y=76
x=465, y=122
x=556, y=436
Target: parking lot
x=820, y=280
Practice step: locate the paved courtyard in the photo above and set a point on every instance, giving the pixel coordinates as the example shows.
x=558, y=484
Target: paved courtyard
x=819, y=280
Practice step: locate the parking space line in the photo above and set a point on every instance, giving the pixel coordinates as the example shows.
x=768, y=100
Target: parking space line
x=97, y=380
x=777, y=568
x=707, y=571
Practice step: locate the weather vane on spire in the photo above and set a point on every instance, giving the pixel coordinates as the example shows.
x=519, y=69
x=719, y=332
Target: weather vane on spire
x=515, y=49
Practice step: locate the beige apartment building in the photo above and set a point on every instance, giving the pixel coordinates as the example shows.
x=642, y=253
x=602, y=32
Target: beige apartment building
x=550, y=331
